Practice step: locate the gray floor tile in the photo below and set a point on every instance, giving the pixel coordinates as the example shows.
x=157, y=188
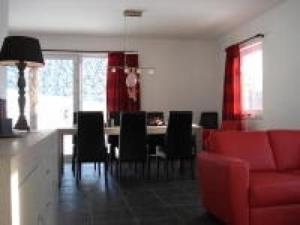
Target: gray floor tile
x=129, y=201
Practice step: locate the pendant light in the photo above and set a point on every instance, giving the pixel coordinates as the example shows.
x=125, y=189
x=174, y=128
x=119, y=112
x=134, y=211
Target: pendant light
x=132, y=78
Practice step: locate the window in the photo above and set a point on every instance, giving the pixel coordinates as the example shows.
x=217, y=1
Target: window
x=252, y=79
x=55, y=93
x=93, y=83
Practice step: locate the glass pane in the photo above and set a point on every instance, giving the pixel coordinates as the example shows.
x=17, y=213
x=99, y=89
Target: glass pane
x=252, y=78
x=55, y=94
x=55, y=97
x=93, y=89
x=12, y=94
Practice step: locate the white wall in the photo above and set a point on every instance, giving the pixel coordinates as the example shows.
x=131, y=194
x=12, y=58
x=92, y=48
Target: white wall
x=281, y=63
x=3, y=33
x=185, y=77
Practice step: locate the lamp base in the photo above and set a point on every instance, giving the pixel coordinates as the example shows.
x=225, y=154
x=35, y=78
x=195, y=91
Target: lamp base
x=22, y=124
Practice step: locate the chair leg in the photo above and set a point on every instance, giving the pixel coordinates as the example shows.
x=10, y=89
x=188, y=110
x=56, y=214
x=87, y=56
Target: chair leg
x=120, y=169
x=172, y=167
x=78, y=171
x=73, y=166
x=135, y=168
x=95, y=166
x=149, y=168
x=112, y=162
x=157, y=167
x=143, y=169
x=128, y=168
x=99, y=168
x=111, y=158
x=105, y=169
x=117, y=167
x=111, y=165
x=167, y=168
x=74, y=161
x=181, y=166
x=80, y=168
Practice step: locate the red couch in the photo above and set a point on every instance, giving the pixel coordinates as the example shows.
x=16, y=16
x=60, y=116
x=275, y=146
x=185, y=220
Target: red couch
x=252, y=178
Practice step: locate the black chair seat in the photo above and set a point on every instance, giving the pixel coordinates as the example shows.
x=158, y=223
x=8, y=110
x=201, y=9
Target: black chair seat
x=154, y=140
x=113, y=140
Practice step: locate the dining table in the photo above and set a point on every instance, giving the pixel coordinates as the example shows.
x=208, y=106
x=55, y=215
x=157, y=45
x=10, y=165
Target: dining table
x=115, y=130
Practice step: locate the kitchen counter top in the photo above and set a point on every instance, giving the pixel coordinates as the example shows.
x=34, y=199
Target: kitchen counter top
x=9, y=147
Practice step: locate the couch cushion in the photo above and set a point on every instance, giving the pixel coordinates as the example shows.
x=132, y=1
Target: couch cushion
x=295, y=172
x=252, y=147
x=274, y=188
x=286, y=148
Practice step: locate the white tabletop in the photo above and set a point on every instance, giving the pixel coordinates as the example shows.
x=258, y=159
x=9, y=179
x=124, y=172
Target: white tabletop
x=116, y=130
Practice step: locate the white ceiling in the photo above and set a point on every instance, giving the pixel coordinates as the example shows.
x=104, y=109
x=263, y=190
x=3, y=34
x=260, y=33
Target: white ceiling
x=162, y=18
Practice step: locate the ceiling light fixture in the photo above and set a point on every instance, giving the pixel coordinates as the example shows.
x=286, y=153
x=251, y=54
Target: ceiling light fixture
x=131, y=79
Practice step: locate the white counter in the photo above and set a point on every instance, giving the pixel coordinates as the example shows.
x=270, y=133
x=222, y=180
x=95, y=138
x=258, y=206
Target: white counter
x=22, y=143
x=28, y=178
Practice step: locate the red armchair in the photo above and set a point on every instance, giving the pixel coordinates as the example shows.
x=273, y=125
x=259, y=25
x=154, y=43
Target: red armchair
x=252, y=178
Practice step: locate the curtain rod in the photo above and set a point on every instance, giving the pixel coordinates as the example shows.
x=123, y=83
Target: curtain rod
x=260, y=35
x=83, y=51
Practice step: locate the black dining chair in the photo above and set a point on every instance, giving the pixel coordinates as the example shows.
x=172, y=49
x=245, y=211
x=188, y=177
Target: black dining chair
x=209, y=120
x=178, y=141
x=132, y=143
x=113, y=140
x=154, y=140
x=90, y=141
x=114, y=118
x=153, y=116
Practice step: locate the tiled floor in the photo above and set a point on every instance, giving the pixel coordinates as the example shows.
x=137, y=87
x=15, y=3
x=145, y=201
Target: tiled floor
x=130, y=201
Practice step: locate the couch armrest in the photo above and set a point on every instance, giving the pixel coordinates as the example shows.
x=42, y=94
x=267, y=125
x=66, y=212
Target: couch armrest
x=224, y=185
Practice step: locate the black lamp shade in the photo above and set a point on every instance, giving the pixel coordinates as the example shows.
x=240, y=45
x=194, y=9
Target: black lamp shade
x=17, y=49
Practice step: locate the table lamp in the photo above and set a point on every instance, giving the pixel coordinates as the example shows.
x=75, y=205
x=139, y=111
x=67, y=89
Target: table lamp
x=22, y=52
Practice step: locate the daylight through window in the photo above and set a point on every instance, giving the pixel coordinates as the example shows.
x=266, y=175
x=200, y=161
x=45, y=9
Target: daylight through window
x=252, y=79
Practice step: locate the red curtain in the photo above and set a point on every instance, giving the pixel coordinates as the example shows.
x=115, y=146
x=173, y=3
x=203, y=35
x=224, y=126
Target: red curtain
x=232, y=85
x=118, y=98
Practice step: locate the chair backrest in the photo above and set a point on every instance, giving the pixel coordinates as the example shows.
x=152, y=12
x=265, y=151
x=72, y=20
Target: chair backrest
x=179, y=134
x=90, y=137
x=209, y=120
x=133, y=136
x=154, y=115
x=116, y=117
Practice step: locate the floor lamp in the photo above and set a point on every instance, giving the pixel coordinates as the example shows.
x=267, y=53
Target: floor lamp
x=22, y=52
